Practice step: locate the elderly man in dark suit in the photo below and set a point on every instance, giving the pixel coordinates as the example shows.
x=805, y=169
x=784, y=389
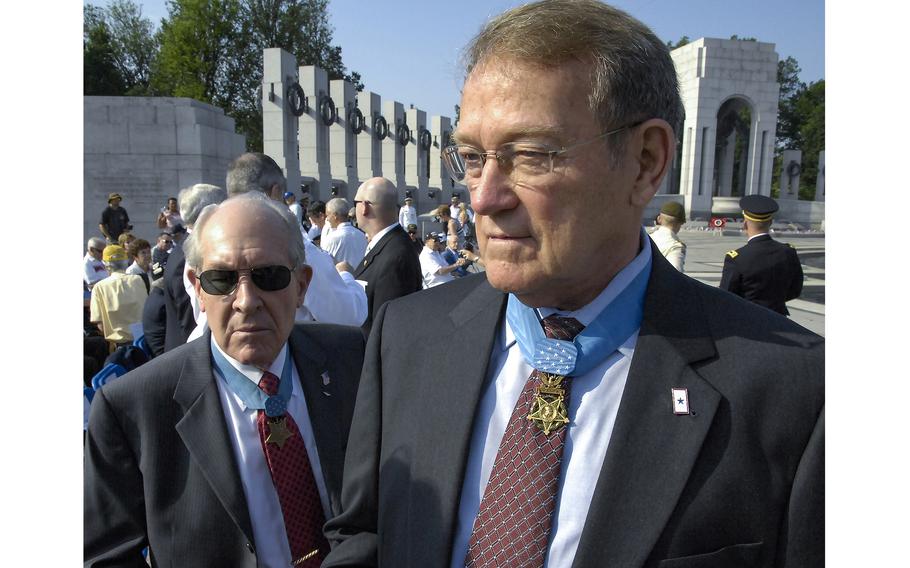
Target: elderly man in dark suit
x=228, y=451
x=601, y=409
x=391, y=267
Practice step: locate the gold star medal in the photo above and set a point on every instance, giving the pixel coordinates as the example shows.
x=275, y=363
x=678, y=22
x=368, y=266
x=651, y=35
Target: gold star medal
x=278, y=431
x=548, y=411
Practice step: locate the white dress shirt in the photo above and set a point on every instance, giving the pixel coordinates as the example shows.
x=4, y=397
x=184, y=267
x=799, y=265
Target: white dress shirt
x=376, y=238
x=407, y=215
x=430, y=263
x=592, y=407
x=345, y=243
x=93, y=270
x=269, y=533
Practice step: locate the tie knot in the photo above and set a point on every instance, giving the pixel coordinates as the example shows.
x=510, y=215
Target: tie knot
x=561, y=327
x=269, y=383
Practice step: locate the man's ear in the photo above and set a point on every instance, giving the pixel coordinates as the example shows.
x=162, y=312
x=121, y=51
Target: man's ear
x=654, y=146
x=194, y=281
x=304, y=275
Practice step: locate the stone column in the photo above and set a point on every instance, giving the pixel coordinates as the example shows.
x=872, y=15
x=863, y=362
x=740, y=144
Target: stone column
x=342, y=147
x=698, y=167
x=369, y=148
x=789, y=184
x=313, y=134
x=416, y=174
x=820, y=180
x=393, y=158
x=725, y=169
x=279, y=125
x=440, y=183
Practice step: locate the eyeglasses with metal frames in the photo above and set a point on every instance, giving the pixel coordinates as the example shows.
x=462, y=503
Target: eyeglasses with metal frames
x=524, y=158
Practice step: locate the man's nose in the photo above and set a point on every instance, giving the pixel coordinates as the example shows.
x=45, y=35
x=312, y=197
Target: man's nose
x=493, y=191
x=247, y=296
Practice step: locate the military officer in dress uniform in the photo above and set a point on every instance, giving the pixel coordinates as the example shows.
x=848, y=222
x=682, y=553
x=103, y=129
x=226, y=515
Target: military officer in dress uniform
x=763, y=271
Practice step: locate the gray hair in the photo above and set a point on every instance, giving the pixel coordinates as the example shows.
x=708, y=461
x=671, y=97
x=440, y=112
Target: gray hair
x=254, y=171
x=96, y=243
x=192, y=248
x=338, y=206
x=632, y=74
x=193, y=199
x=117, y=265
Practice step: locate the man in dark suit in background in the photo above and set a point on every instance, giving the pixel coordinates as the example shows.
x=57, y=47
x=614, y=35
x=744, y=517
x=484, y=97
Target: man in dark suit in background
x=763, y=271
x=180, y=314
x=601, y=409
x=228, y=451
x=391, y=267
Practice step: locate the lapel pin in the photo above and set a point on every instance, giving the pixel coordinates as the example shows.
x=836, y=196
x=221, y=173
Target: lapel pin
x=325, y=378
x=680, y=401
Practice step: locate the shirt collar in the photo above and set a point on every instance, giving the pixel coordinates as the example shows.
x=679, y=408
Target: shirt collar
x=380, y=234
x=756, y=236
x=252, y=372
x=588, y=312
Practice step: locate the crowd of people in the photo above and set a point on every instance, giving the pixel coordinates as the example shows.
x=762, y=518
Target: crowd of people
x=601, y=407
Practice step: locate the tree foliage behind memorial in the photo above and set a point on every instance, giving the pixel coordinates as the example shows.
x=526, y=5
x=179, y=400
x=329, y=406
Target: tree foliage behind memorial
x=208, y=50
x=800, y=125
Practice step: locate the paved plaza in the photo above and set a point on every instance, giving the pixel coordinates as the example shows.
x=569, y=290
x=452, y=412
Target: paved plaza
x=705, y=261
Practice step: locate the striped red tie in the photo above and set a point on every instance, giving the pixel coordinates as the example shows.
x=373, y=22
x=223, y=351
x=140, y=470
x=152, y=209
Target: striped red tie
x=512, y=527
x=292, y=475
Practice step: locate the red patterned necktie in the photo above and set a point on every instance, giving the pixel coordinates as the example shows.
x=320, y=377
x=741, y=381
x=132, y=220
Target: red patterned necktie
x=512, y=527
x=292, y=475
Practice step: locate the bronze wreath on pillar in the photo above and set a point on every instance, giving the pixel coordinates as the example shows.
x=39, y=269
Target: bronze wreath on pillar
x=380, y=127
x=403, y=134
x=327, y=110
x=425, y=138
x=355, y=121
x=793, y=169
x=297, y=101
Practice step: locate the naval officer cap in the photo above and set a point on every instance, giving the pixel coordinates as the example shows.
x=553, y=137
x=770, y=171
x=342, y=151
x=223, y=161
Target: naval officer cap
x=758, y=208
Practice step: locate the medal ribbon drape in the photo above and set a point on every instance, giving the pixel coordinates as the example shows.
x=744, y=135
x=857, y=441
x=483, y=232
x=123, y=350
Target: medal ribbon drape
x=292, y=475
x=513, y=524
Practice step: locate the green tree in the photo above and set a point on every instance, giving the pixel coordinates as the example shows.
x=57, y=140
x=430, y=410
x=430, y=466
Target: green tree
x=682, y=41
x=119, y=46
x=100, y=75
x=136, y=46
x=809, y=107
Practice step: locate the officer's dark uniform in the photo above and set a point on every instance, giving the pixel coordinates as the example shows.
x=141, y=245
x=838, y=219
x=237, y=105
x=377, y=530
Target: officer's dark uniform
x=763, y=271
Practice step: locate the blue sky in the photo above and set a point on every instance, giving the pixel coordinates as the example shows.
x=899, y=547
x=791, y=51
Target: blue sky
x=408, y=50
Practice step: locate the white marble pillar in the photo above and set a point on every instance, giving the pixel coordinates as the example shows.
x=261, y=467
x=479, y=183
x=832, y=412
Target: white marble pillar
x=279, y=125
x=313, y=134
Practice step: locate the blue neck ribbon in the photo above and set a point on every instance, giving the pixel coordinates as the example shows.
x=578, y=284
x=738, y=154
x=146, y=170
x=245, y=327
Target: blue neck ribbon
x=612, y=326
x=250, y=393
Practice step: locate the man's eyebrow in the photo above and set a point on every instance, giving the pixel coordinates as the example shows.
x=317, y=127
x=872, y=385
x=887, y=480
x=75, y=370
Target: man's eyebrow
x=551, y=132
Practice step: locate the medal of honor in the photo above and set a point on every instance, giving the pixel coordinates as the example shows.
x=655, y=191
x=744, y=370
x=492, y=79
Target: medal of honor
x=278, y=431
x=548, y=411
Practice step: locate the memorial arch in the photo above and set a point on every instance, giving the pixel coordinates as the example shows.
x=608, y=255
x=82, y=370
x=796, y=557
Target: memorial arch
x=726, y=143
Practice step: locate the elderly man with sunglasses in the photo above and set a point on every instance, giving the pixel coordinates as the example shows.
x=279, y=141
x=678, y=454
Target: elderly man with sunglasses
x=601, y=409
x=228, y=451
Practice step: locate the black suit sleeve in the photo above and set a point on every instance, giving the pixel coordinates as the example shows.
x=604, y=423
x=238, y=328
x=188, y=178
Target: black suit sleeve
x=114, y=523
x=796, y=285
x=805, y=537
x=406, y=281
x=353, y=533
x=730, y=279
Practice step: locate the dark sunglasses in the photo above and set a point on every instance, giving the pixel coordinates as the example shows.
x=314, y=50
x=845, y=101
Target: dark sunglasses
x=266, y=278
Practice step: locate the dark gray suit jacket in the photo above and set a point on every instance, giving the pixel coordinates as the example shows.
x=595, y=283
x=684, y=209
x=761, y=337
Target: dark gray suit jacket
x=159, y=466
x=739, y=482
x=391, y=269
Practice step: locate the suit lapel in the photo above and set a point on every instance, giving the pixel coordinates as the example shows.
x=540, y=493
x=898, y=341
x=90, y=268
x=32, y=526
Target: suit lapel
x=204, y=432
x=322, y=405
x=368, y=259
x=457, y=388
x=652, y=450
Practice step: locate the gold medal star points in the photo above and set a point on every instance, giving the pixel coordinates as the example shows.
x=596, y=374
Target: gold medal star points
x=548, y=415
x=278, y=432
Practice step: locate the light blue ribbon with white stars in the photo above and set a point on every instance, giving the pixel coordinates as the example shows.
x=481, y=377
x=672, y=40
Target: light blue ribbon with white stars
x=612, y=326
x=250, y=393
